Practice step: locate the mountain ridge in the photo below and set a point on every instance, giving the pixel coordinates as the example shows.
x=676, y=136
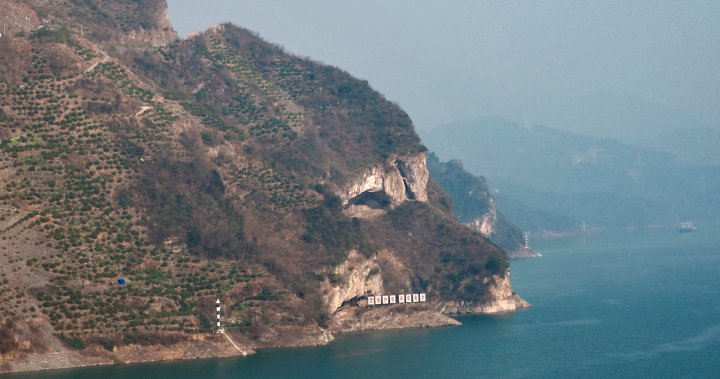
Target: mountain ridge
x=579, y=177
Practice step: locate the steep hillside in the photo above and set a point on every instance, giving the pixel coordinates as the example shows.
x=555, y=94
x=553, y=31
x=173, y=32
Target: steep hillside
x=474, y=205
x=213, y=167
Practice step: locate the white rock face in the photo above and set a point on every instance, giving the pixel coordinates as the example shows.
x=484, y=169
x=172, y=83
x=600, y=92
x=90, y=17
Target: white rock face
x=385, y=179
x=486, y=223
x=414, y=172
x=500, y=299
x=385, y=186
x=358, y=276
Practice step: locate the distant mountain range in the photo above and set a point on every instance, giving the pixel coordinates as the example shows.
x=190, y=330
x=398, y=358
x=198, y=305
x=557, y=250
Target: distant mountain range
x=551, y=179
x=696, y=146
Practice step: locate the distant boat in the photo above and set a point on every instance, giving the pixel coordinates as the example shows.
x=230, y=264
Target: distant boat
x=685, y=226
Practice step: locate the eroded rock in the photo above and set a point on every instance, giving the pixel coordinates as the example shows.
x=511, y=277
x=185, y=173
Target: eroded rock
x=500, y=298
x=355, y=277
x=385, y=186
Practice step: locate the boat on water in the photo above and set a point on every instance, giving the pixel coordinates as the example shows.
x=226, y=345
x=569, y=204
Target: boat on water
x=686, y=227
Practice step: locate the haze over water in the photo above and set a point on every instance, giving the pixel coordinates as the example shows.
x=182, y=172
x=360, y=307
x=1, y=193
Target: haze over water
x=618, y=304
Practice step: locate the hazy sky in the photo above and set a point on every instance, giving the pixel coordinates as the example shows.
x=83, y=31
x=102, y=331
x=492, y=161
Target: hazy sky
x=609, y=68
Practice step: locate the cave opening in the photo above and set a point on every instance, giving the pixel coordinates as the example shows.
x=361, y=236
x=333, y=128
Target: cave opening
x=373, y=200
x=352, y=302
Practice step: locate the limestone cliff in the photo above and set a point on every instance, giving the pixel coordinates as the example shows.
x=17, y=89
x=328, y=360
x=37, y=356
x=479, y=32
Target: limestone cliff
x=486, y=222
x=500, y=298
x=352, y=281
x=385, y=186
x=359, y=277
x=499, y=229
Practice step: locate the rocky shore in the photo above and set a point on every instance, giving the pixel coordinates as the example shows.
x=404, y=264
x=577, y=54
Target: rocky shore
x=523, y=252
x=346, y=320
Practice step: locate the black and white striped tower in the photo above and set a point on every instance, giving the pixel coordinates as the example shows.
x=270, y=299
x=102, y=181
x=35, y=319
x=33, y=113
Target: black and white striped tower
x=217, y=308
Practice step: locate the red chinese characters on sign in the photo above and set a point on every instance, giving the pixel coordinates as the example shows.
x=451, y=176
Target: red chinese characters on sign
x=397, y=299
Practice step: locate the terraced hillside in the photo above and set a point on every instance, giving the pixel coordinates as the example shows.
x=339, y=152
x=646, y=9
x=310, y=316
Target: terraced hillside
x=213, y=167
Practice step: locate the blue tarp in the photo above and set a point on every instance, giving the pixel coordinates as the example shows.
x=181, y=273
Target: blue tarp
x=121, y=281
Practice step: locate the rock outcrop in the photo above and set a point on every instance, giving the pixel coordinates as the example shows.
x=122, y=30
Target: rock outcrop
x=485, y=223
x=383, y=187
x=413, y=170
x=498, y=229
x=500, y=298
x=354, y=278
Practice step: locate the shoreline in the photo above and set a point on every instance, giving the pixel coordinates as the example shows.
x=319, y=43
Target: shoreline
x=215, y=346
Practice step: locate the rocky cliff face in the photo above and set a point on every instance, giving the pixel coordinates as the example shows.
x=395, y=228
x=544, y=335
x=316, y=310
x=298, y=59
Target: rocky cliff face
x=486, y=222
x=499, y=229
x=385, y=186
x=500, y=298
x=352, y=281
x=359, y=277
x=474, y=205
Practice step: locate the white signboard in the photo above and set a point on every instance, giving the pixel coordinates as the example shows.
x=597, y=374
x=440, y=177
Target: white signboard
x=386, y=300
x=392, y=299
x=371, y=300
x=401, y=299
x=422, y=297
x=416, y=298
x=378, y=300
x=408, y=298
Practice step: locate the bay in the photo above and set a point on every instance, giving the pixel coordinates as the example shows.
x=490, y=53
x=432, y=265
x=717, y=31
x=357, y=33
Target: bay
x=614, y=304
